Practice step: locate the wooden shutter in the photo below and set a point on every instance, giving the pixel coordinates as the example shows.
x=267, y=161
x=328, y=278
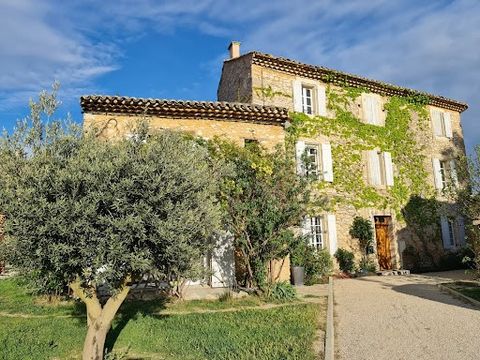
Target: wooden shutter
x=437, y=174
x=299, y=151
x=453, y=173
x=327, y=164
x=387, y=160
x=374, y=168
x=367, y=108
x=437, y=122
x=461, y=230
x=445, y=232
x=447, y=120
x=297, y=96
x=332, y=233
x=321, y=100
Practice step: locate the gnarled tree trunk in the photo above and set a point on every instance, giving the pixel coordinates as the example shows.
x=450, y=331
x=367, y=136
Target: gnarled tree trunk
x=99, y=319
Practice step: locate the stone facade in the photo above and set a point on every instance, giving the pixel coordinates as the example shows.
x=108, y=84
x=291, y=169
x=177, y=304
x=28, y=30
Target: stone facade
x=273, y=85
x=268, y=85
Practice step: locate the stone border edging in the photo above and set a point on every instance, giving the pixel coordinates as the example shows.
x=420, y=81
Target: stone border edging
x=330, y=333
x=458, y=294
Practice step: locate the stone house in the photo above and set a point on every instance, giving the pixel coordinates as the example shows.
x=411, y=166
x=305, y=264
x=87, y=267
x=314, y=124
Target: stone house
x=372, y=149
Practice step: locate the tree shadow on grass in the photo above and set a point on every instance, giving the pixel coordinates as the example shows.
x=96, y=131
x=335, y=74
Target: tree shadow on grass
x=131, y=310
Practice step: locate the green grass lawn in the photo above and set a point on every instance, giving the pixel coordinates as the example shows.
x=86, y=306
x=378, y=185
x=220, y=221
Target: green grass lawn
x=467, y=288
x=285, y=332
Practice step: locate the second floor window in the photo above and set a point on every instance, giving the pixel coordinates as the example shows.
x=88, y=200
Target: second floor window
x=442, y=123
x=380, y=168
x=445, y=173
x=314, y=161
x=372, y=112
x=308, y=100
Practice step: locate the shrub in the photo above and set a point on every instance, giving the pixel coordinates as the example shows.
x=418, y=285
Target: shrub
x=317, y=263
x=362, y=230
x=367, y=265
x=346, y=260
x=281, y=291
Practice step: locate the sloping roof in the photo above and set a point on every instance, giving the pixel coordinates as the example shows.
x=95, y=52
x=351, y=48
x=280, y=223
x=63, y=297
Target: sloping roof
x=184, y=109
x=341, y=78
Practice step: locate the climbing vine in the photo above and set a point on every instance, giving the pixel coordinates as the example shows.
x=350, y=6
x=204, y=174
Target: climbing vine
x=402, y=136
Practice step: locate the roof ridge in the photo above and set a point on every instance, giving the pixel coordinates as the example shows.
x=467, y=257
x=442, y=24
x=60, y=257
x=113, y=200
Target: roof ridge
x=315, y=71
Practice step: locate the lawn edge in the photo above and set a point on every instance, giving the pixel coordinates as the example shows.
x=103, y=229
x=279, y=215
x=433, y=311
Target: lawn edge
x=458, y=294
x=330, y=329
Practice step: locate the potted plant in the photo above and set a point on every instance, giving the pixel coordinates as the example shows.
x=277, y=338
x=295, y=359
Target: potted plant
x=297, y=259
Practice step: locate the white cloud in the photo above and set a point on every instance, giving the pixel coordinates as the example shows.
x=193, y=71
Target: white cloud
x=427, y=45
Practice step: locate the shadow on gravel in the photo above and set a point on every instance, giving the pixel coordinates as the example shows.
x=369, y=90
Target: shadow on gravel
x=424, y=291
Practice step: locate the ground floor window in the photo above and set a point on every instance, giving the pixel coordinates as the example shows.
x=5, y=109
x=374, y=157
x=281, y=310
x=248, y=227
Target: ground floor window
x=315, y=231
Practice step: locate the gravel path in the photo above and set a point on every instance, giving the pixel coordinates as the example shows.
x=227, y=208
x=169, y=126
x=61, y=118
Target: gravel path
x=403, y=317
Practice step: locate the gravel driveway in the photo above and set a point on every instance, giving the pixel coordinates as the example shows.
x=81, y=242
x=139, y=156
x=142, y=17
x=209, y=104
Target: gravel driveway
x=403, y=317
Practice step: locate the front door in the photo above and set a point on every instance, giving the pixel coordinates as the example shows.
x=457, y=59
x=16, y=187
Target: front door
x=382, y=233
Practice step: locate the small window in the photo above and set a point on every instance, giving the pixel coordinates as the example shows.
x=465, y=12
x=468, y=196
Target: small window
x=442, y=126
x=451, y=232
x=312, y=161
x=371, y=109
x=308, y=100
x=315, y=235
x=443, y=173
x=251, y=143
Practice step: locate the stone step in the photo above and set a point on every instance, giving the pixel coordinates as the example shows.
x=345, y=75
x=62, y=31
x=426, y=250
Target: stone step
x=393, y=272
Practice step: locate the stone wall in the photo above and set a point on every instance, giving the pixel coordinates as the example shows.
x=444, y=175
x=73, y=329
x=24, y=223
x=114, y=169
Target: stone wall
x=117, y=125
x=266, y=81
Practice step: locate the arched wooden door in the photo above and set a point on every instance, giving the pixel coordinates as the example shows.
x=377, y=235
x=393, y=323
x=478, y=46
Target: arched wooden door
x=382, y=234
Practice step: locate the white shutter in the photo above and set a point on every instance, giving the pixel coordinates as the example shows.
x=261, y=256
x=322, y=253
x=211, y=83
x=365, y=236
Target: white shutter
x=332, y=233
x=437, y=174
x=374, y=168
x=321, y=100
x=437, y=122
x=448, y=124
x=387, y=160
x=445, y=232
x=453, y=173
x=223, y=262
x=306, y=226
x=299, y=151
x=461, y=231
x=367, y=109
x=327, y=163
x=297, y=96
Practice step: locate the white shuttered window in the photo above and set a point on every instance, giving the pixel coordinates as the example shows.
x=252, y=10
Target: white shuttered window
x=380, y=168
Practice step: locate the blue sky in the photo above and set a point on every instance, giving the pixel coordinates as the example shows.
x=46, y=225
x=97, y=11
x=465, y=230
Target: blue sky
x=174, y=49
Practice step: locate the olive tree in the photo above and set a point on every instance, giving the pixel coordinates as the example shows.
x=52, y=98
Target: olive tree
x=96, y=214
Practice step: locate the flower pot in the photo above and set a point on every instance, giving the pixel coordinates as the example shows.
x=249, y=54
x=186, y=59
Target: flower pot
x=298, y=275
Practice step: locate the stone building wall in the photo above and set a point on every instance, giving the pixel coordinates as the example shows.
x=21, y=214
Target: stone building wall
x=267, y=81
x=117, y=125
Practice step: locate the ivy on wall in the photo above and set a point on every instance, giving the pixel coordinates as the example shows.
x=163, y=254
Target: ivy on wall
x=402, y=136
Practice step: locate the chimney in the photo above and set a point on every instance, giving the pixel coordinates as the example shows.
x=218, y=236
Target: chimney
x=234, y=49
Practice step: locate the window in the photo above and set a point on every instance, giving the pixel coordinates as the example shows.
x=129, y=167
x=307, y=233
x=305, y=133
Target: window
x=380, y=168
x=251, y=143
x=442, y=124
x=453, y=231
x=315, y=235
x=445, y=173
x=308, y=100
x=312, y=161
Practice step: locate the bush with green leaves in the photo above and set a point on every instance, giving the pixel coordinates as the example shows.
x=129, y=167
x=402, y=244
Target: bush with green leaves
x=281, y=291
x=367, y=265
x=89, y=213
x=317, y=264
x=263, y=200
x=362, y=230
x=346, y=260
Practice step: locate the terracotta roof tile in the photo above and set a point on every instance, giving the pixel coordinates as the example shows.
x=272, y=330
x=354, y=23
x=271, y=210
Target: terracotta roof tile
x=184, y=109
x=341, y=78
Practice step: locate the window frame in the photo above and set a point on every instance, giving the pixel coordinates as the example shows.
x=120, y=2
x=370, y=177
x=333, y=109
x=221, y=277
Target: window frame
x=312, y=95
x=316, y=232
x=316, y=172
